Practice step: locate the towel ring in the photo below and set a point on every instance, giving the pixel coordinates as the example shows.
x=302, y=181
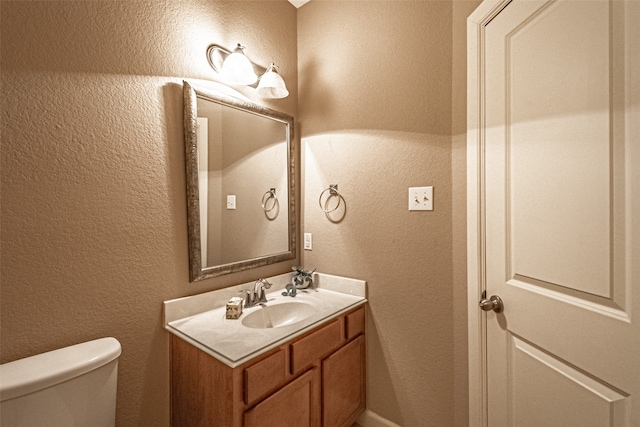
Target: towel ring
x=271, y=194
x=333, y=191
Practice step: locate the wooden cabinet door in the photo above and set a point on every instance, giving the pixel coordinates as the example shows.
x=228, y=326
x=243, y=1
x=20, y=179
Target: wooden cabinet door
x=294, y=405
x=343, y=385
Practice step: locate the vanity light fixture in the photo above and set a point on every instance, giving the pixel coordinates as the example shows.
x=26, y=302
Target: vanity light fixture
x=236, y=69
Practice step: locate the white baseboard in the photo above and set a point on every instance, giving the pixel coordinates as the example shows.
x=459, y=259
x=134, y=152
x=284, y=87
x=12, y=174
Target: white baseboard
x=371, y=419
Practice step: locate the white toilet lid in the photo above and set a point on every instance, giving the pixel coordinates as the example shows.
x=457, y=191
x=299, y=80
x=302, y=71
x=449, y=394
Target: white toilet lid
x=44, y=370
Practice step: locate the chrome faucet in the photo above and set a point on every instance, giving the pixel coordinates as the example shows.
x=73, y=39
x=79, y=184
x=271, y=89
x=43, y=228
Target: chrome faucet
x=257, y=295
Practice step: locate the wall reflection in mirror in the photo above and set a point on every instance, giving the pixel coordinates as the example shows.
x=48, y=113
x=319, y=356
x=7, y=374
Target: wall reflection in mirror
x=240, y=184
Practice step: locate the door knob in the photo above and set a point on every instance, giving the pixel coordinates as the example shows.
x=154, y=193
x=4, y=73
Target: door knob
x=494, y=303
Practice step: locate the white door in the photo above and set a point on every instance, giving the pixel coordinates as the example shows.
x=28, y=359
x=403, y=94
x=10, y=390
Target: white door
x=556, y=199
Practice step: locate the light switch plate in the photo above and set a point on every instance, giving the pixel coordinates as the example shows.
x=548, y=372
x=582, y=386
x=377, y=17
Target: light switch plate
x=420, y=198
x=308, y=241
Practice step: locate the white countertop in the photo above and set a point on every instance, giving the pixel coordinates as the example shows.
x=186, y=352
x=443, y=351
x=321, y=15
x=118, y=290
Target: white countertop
x=201, y=320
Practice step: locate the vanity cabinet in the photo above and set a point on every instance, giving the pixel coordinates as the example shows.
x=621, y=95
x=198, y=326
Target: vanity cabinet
x=317, y=379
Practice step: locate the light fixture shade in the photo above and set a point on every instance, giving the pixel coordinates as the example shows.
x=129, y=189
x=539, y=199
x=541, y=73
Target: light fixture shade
x=272, y=85
x=237, y=69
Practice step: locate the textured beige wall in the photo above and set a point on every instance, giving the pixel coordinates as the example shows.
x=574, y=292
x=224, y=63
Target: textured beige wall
x=94, y=239
x=93, y=200
x=376, y=118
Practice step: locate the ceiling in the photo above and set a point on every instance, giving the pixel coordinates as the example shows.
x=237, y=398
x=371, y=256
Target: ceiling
x=298, y=3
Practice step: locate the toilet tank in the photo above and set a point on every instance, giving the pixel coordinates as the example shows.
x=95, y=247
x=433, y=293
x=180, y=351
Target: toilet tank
x=71, y=386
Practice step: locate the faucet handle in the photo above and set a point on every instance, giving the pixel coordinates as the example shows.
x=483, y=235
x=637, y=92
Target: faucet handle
x=247, y=297
x=263, y=283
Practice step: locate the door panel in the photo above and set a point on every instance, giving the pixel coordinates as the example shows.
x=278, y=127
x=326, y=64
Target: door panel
x=547, y=391
x=561, y=205
x=557, y=113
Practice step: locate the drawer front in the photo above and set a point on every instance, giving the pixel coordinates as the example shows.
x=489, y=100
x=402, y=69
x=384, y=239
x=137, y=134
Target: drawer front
x=264, y=377
x=354, y=323
x=315, y=346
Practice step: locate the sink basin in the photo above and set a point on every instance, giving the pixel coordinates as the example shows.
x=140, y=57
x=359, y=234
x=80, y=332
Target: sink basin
x=279, y=315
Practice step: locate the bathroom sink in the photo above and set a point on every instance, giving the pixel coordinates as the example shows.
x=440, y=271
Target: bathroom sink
x=202, y=318
x=280, y=314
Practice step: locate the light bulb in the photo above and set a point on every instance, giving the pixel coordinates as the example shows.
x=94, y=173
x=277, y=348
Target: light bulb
x=237, y=69
x=272, y=85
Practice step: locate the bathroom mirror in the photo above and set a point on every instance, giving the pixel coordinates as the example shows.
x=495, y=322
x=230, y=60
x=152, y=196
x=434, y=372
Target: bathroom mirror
x=240, y=167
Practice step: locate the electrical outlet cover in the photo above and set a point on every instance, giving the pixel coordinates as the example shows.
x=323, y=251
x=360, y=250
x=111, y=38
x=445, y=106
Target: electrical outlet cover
x=231, y=201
